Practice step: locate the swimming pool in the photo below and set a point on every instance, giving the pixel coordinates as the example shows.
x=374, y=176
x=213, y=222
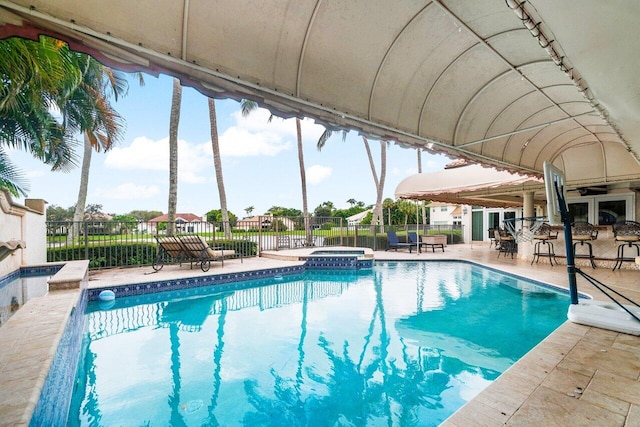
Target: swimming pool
x=402, y=343
x=16, y=290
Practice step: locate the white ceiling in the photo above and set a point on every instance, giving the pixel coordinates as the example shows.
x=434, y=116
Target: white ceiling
x=465, y=77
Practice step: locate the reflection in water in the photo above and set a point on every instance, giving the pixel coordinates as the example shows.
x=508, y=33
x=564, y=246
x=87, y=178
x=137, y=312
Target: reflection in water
x=404, y=344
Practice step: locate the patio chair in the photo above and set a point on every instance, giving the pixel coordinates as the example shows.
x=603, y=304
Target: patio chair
x=201, y=253
x=543, y=236
x=170, y=249
x=506, y=243
x=395, y=244
x=626, y=234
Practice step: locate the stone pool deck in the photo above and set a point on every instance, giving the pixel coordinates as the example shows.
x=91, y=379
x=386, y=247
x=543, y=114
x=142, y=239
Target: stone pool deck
x=578, y=376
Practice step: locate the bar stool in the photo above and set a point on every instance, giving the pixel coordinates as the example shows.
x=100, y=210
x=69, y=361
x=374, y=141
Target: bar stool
x=627, y=233
x=583, y=233
x=542, y=236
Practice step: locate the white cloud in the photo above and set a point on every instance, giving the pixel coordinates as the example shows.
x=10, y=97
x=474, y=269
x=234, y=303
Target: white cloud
x=317, y=173
x=143, y=153
x=146, y=154
x=257, y=124
x=240, y=142
x=129, y=191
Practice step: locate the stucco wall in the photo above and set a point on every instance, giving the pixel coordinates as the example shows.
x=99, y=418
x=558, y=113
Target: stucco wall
x=23, y=223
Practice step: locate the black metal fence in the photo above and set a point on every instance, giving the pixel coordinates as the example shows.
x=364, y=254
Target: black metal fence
x=111, y=244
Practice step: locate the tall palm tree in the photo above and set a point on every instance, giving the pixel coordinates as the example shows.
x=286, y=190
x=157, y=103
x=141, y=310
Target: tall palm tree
x=174, y=121
x=247, y=107
x=101, y=125
x=217, y=163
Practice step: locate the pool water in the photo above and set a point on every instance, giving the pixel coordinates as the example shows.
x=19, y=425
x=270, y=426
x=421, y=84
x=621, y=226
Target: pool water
x=15, y=293
x=404, y=343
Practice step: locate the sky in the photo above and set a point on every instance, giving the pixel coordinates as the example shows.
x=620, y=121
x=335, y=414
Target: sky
x=259, y=161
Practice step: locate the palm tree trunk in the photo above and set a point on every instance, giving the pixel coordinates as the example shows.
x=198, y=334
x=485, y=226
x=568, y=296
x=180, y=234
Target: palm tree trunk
x=377, y=211
x=78, y=215
x=217, y=163
x=303, y=182
x=174, y=121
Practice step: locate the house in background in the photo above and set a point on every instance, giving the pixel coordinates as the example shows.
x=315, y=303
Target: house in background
x=357, y=218
x=185, y=223
x=445, y=214
x=265, y=221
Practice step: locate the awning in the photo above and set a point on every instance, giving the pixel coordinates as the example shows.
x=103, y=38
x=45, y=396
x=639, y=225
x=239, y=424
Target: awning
x=503, y=83
x=471, y=185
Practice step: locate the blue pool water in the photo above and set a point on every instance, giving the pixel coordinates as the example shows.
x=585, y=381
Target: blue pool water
x=404, y=343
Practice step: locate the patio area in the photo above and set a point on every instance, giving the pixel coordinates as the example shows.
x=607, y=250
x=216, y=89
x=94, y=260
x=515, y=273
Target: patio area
x=577, y=376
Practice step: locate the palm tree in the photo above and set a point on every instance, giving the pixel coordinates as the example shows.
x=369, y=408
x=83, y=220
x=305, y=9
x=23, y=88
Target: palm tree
x=36, y=76
x=379, y=181
x=352, y=202
x=101, y=125
x=248, y=210
x=174, y=121
x=247, y=107
x=217, y=163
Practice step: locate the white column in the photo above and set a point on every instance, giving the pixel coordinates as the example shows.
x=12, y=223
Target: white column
x=525, y=249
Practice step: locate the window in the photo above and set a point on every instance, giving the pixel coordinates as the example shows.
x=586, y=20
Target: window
x=612, y=211
x=602, y=210
x=578, y=212
x=444, y=208
x=494, y=219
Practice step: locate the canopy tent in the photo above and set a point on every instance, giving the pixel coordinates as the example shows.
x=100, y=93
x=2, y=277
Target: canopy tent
x=504, y=83
x=471, y=185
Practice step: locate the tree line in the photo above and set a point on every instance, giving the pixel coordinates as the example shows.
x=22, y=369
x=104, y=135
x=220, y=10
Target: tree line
x=396, y=212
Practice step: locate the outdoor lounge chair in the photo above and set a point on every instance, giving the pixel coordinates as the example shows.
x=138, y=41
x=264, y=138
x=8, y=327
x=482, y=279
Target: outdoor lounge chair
x=170, y=249
x=433, y=241
x=200, y=252
x=394, y=243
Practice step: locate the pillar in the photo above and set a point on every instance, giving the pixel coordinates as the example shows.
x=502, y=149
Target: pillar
x=525, y=249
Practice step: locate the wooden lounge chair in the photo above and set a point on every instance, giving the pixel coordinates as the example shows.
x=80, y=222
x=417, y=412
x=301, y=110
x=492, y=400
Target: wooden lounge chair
x=394, y=243
x=201, y=253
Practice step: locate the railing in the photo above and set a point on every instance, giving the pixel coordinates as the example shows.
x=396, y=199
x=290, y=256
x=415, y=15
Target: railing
x=111, y=244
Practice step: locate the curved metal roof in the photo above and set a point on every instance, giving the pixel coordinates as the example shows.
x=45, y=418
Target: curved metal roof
x=503, y=83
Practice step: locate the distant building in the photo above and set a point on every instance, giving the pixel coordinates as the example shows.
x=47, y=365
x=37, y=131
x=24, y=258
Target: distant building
x=357, y=218
x=445, y=213
x=185, y=223
x=264, y=221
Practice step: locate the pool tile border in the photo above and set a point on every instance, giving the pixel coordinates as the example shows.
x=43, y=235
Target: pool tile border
x=193, y=282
